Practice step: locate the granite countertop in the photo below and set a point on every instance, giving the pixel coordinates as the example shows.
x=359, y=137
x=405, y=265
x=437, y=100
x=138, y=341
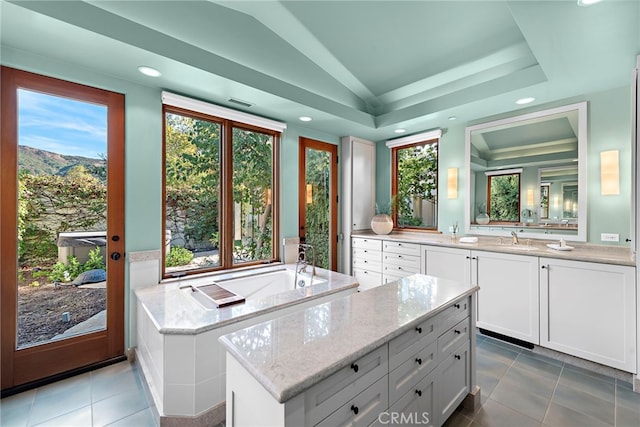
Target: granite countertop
x=174, y=311
x=588, y=252
x=289, y=354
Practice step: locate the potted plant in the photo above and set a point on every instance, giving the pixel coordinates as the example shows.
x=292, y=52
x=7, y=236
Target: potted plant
x=482, y=218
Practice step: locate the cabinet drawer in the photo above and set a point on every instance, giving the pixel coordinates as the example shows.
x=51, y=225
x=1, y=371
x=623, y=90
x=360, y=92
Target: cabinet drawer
x=364, y=253
x=417, y=405
x=452, y=338
x=367, y=278
x=453, y=314
x=399, y=270
x=408, y=262
x=367, y=264
x=363, y=409
x=372, y=244
x=407, y=375
x=331, y=393
x=410, y=342
x=402, y=248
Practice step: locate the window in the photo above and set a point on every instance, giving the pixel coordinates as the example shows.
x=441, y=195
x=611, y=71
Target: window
x=220, y=191
x=414, y=180
x=503, y=190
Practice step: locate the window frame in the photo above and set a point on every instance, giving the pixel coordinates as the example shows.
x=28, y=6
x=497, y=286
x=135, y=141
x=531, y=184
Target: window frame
x=505, y=173
x=226, y=206
x=404, y=143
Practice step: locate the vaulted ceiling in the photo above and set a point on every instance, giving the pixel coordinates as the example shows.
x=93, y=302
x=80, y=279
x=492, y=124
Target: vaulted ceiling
x=362, y=68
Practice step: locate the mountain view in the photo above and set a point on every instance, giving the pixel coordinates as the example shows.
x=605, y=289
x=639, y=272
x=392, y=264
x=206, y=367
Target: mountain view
x=41, y=162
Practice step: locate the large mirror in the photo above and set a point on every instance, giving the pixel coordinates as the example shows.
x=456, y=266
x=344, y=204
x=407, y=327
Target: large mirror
x=528, y=174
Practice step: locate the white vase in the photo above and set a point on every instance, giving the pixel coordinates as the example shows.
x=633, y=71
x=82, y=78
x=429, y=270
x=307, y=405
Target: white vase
x=483, y=219
x=382, y=224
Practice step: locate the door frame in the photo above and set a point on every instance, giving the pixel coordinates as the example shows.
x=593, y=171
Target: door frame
x=21, y=367
x=305, y=143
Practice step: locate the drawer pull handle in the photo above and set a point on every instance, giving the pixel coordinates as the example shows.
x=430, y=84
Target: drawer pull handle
x=468, y=257
x=354, y=366
x=456, y=305
x=419, y=361
x=457, y=356
x=419, y=330
x=419, y=392
x=455, y=331
x=355, y=409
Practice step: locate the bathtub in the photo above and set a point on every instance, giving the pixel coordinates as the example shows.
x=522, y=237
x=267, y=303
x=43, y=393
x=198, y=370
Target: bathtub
x=177, y=334
x=256, y=286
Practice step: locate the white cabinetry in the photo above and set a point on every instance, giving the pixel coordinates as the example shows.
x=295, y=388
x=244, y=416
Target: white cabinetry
x=399, y=260
x=508, y=300
x=588, y=310
x=358, y=199
x=367, y=262
x=447, y=263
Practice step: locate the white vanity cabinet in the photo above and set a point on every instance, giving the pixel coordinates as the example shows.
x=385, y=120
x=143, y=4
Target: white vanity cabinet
x=366, y=262
x=508, y=300
x=448, y=263
x=400, y=259
x=588, y=310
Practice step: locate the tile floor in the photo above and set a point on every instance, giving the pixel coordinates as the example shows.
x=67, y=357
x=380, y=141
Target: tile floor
x=110, y=396
x=519, y=389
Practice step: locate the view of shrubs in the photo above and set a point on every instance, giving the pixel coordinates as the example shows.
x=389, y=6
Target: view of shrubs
x=65, y=272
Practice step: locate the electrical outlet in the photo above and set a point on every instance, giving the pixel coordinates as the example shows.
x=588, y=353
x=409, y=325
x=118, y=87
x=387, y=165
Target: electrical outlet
x=609, y=237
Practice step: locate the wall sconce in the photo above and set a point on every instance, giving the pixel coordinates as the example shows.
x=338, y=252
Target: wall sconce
x=309, y=194
x=609, y=173
x=530, y=198
x=452, y=183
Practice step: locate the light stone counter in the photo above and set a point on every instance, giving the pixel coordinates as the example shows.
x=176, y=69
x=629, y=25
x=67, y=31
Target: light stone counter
x=289, y=354
x=618, y=255
x=173, y=311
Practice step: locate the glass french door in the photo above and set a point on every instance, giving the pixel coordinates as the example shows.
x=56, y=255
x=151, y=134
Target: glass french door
x=318, y=200
x=61, y=227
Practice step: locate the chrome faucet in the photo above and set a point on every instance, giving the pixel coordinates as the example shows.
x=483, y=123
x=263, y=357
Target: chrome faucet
x=514, y=241
x=303, y=262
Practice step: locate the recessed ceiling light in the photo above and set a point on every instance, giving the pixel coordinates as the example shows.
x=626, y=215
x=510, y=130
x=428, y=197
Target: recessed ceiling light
x=522, y=101
x=452, y=117
x=400, y=130
x=587, y=2
x=305, y=118
x=148, y=71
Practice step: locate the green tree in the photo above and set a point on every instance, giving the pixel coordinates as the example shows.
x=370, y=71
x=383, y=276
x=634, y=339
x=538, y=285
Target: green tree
x=317, y=220
x=505, y=198
x=417, y=178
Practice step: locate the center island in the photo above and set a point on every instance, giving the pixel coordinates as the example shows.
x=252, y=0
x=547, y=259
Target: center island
x=402, y=353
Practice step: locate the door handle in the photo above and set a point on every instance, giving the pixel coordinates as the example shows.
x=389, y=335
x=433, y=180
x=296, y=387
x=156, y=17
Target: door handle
x=115, y=256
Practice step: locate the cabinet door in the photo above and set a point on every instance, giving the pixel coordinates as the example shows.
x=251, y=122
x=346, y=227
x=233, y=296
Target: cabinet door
x=448, y=263
x=508, y=300
x=415, y=407
x=588, y=310
x=453, y=382
x=363, y=204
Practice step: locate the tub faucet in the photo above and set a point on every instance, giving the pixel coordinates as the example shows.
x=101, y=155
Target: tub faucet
x=514, y=241
x=304, y=251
